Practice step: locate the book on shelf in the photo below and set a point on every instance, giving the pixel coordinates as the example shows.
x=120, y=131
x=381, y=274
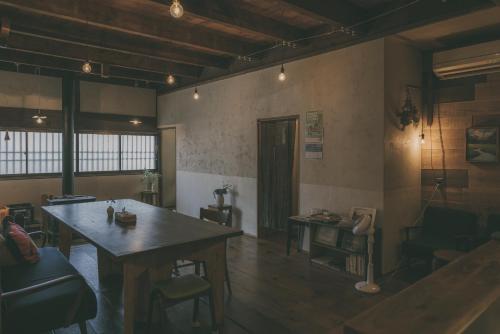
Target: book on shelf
x=356, y=265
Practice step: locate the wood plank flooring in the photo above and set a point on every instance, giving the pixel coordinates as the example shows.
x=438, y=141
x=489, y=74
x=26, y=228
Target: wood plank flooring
x=272, y=293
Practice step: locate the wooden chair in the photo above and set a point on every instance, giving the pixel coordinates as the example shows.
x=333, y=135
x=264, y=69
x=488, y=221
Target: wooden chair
x=176, y=290
x=215, y=217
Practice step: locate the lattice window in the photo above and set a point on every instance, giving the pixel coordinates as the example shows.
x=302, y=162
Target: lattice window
x=99, y=153
x=138, y=152
x=13, y=153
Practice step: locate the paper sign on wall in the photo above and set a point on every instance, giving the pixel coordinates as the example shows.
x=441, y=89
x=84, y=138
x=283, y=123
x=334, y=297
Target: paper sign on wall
x=314, y=135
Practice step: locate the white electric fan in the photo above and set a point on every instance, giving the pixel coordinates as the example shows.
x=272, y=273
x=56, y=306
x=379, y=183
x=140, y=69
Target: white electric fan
x=366, y=226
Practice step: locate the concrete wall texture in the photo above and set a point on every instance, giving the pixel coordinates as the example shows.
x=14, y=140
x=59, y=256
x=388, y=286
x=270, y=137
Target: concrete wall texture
x=21, y=91
x=217, y=135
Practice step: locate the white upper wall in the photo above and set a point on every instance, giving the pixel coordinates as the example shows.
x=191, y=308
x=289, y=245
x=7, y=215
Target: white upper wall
x=19, y=90
x=114, y=99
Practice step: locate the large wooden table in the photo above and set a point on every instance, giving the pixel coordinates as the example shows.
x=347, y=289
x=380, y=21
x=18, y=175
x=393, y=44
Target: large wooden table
x=147, y=250
x=445, y=302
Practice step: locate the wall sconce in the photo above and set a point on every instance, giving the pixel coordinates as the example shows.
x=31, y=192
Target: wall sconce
x=409, y=113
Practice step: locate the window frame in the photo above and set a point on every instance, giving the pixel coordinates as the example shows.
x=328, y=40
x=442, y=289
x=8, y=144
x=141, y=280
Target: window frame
x=77, y=173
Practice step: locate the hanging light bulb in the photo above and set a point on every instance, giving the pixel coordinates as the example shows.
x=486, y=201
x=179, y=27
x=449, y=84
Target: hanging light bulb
x=7, y=137
x=39, y=118
x=422, y=138
x=282, y=76
x=86, y=67
x=176, y=9
x=196, y=96
x=170, y=79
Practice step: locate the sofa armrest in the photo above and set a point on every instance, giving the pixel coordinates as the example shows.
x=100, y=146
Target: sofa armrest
x=409, y=229
x=38, y=287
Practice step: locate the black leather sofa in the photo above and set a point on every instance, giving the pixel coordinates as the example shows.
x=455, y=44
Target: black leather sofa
x=50, y=294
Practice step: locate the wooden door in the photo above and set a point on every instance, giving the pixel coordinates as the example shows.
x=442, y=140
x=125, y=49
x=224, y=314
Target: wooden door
x=277, y=163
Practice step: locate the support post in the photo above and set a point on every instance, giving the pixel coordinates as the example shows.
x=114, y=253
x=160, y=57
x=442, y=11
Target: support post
x=70, y=106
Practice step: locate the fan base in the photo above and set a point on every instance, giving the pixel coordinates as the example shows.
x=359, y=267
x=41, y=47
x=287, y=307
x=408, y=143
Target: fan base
x=366, y=287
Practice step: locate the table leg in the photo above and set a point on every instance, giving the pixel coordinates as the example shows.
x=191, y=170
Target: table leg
x=288, y=238
x=104, y=265
x=64, y=240
x=131, y=274
x=215, y=260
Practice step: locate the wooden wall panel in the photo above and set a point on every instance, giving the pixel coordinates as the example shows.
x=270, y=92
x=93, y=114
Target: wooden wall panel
x=474, y=187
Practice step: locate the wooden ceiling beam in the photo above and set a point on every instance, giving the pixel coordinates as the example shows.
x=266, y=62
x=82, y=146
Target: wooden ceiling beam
x=226, y=13
x=56, y=29
x=160, y=28
x=69, y=65
x=332, y=12
x=34, y=44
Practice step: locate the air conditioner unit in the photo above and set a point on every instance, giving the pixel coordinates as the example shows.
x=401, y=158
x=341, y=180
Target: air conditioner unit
x=468, y=61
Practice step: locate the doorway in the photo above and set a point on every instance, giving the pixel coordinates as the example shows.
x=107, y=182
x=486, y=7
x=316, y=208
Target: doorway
x=278, y=174
x=168, y=168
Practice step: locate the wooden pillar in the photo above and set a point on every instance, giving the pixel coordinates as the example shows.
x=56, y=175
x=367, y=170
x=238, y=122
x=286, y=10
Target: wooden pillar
x=70, y=106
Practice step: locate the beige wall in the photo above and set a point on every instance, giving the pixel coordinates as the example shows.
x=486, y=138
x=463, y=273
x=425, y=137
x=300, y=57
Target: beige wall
x=21, y=91
x=217, y=135
x=403, y=66
x=120, y=100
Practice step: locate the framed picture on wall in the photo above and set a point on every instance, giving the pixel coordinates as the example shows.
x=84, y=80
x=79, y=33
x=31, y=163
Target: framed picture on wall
x=482, y=144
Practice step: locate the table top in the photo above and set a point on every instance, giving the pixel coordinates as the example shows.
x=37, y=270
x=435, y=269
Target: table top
x=156, y=228
x=445, y=302
x=70, y=199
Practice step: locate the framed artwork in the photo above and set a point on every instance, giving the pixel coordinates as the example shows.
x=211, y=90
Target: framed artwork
x=482, y=144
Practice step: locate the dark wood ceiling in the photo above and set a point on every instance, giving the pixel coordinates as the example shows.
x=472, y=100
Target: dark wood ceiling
x=137, y=42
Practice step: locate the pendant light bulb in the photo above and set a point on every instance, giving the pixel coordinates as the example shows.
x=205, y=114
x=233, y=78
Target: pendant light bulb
x=86, y=67
x=176, y=9
x=170, y=79
x=422, y=139
x=196, y=96
x=39, y=120
x=282, y=75
x=7, y=137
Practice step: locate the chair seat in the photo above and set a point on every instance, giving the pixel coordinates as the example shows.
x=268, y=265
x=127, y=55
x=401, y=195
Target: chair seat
x=45, y=309
x=182, y=287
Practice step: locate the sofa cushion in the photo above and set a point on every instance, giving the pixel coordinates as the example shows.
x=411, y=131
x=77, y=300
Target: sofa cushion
x=47, y=309
x=19, y=242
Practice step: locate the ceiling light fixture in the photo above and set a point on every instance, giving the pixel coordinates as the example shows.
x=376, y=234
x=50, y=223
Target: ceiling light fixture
x=170, y=79
x=196, y=96
x=86, y=67
x=282, y=75
x=39, y=118
x=7, y=137
x=176, y=9
x=422, y=138
x=135, y=121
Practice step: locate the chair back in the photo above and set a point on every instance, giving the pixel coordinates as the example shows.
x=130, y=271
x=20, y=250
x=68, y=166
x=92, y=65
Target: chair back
x=446, y=222
x=493, y=224
x=211, y=215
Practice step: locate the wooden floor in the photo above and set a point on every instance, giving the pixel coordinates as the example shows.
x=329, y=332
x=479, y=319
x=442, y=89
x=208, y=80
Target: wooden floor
x=272, y=293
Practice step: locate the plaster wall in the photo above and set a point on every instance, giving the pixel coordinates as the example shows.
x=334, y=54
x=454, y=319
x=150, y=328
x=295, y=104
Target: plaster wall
x=217, y=135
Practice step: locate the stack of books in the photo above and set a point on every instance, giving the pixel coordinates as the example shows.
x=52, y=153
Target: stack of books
x=355, y=264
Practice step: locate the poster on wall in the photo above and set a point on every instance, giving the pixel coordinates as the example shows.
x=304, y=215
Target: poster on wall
x=314, y=135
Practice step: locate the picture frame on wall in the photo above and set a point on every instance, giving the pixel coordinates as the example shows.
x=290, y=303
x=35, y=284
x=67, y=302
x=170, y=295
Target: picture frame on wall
x=482, y=145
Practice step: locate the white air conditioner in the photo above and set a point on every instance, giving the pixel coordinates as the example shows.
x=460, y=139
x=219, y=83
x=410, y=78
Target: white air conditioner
x=468, y=61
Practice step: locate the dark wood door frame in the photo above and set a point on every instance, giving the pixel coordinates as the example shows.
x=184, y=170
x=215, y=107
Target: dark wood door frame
x=296, y=164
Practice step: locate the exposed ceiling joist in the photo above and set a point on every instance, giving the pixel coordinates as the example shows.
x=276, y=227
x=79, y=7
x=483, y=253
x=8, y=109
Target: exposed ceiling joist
x=90, y=36
x=70, y=65
x=110, y=16
x=225, y=13
x=333, y=12
x=34, y=44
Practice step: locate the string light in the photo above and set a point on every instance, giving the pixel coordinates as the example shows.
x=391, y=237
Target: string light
x=196, y=96
x=282, y=75
x=86, y=67
x=170, y=79
x=176, y=9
